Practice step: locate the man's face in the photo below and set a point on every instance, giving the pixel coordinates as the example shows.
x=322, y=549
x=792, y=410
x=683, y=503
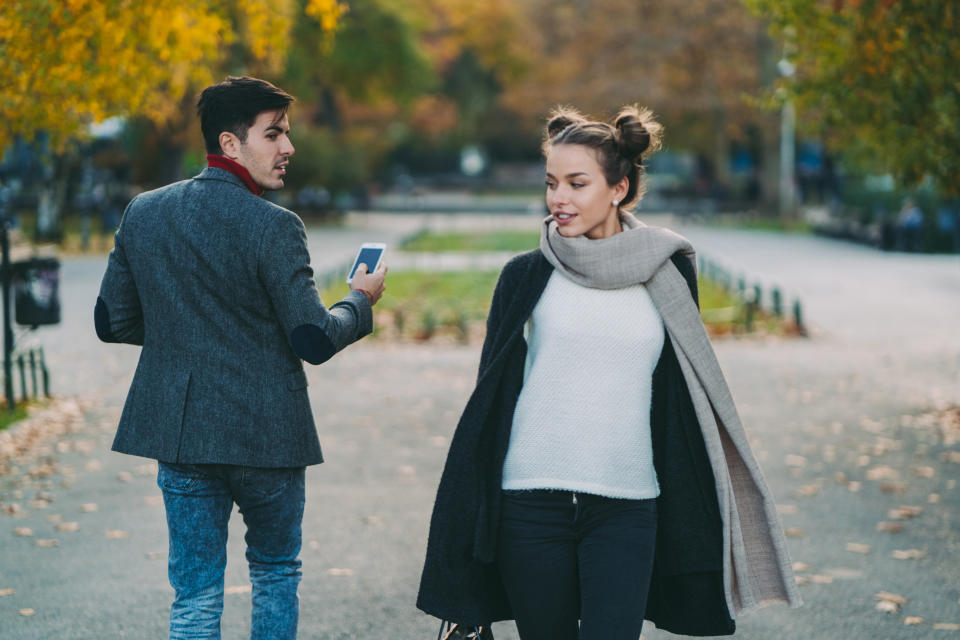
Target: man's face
x=267, y=150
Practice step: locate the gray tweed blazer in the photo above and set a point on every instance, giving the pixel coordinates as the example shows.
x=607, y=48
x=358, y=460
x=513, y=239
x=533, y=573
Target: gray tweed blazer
x=215, y=283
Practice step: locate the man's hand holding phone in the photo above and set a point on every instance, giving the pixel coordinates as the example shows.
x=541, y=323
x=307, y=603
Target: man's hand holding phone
x=371, y=284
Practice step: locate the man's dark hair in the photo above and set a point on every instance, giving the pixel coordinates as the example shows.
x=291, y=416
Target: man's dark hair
x=234, y=104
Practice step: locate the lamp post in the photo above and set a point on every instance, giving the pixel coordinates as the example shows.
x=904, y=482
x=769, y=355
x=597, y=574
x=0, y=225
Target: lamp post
x=788, y=126
x=6, y=195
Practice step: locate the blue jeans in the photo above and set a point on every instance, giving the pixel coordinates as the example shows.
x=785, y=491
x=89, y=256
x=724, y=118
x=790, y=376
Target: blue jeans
x=565, y=557
x=199, y=499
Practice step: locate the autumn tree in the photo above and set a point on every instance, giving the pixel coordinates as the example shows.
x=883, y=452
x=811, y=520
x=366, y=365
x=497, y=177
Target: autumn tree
x=693, y=62
x=416, y=73
x=65, y=65
x=879, y=79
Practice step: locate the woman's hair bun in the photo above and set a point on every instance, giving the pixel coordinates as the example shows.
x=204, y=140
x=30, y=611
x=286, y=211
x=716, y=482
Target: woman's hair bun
x=637, y=132
x=561, y=118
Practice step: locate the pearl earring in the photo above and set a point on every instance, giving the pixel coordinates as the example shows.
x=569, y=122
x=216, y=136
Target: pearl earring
x=616, y=203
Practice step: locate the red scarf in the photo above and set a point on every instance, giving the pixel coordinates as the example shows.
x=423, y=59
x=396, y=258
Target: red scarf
x=237, y=169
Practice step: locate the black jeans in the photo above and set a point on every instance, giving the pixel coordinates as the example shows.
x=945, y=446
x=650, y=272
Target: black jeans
x=567, y=556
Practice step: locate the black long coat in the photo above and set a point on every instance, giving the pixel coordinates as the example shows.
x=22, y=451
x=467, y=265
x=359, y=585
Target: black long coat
x=460, y=580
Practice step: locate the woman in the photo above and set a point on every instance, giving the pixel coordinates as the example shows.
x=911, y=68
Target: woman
x=599, y=474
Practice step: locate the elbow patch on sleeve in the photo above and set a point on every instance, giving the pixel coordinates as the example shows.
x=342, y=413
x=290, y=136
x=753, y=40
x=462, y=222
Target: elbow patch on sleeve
x=310, y=343
x=101, y=321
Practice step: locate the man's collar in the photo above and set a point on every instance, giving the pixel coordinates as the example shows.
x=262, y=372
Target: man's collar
x=237, y=169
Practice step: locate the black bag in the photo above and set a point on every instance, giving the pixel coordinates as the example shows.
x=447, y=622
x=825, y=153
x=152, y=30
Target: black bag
x=451, y=631
x=36, y=291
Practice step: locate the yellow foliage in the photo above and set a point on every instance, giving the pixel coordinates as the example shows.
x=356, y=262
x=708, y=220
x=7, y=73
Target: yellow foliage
x=66, y=64
x=327, y=12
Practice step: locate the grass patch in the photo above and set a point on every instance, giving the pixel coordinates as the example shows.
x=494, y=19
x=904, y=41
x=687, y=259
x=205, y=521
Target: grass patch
x=71, y=228
x=8, y=417
x=500, y=240
x=453, y=306
x=738, y=221
x=420, y=305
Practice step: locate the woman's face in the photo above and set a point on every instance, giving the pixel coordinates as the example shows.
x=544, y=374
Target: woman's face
x=578, y=196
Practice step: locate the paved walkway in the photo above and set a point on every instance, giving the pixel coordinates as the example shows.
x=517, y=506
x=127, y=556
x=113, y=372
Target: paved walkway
x=845, y=424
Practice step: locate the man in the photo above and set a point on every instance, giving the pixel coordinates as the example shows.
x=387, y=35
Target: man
x=215, y=283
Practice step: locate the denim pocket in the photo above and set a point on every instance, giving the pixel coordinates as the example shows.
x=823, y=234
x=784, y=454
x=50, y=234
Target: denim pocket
x=181, y=478
x=266, y=483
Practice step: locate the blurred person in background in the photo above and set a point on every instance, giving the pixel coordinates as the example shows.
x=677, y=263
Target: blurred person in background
x=599, y=474
x=215, y=283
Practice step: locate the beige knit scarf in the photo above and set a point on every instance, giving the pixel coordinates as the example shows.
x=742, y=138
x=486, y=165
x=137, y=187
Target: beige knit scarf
x=757, y=567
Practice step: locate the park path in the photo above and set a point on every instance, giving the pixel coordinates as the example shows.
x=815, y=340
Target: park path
x=845, y=423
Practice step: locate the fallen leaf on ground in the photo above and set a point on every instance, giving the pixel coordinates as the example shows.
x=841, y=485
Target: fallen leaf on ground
x=794, y=532
x=950, y=456
x=820, y=578
x=933, y=498
x=892, y=597
x=787, y=509
x=801, y=566
x=124, y=476
x=54, y=518
x=7, y=592
x=89, y=507
x=340, y=572
x=893, y=487
x=888, y=606
x=840, y=477
x=889, y=527
x=243, y=588
x=854, y=486
x=882, y=473
x=117, y=534
x=946, y=626
x=801, y=579
x=904, y=512
x=924, y=472
x=93, y=465
x=907, y=554
x=23, y=531
x=792, y=460
x=68, y=526
x=807, y=490
x=26, y=612
x=913, y=620
x=842, y=573
x=48, y=542
x=857, y=547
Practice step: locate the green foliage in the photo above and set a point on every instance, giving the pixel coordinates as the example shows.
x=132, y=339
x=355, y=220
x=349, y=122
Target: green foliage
x=328, y=159
x=879, y=79
x=477, y=241
x=374, y=56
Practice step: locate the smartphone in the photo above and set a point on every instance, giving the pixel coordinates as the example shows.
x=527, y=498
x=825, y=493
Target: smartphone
x=370, y=254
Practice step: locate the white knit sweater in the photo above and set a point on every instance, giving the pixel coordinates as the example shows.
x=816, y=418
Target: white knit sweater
x=582, y=420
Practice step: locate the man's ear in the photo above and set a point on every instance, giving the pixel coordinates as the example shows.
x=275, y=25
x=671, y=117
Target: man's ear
x=230, y=145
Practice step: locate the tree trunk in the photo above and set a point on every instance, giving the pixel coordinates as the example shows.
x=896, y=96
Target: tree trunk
x=53, y=199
